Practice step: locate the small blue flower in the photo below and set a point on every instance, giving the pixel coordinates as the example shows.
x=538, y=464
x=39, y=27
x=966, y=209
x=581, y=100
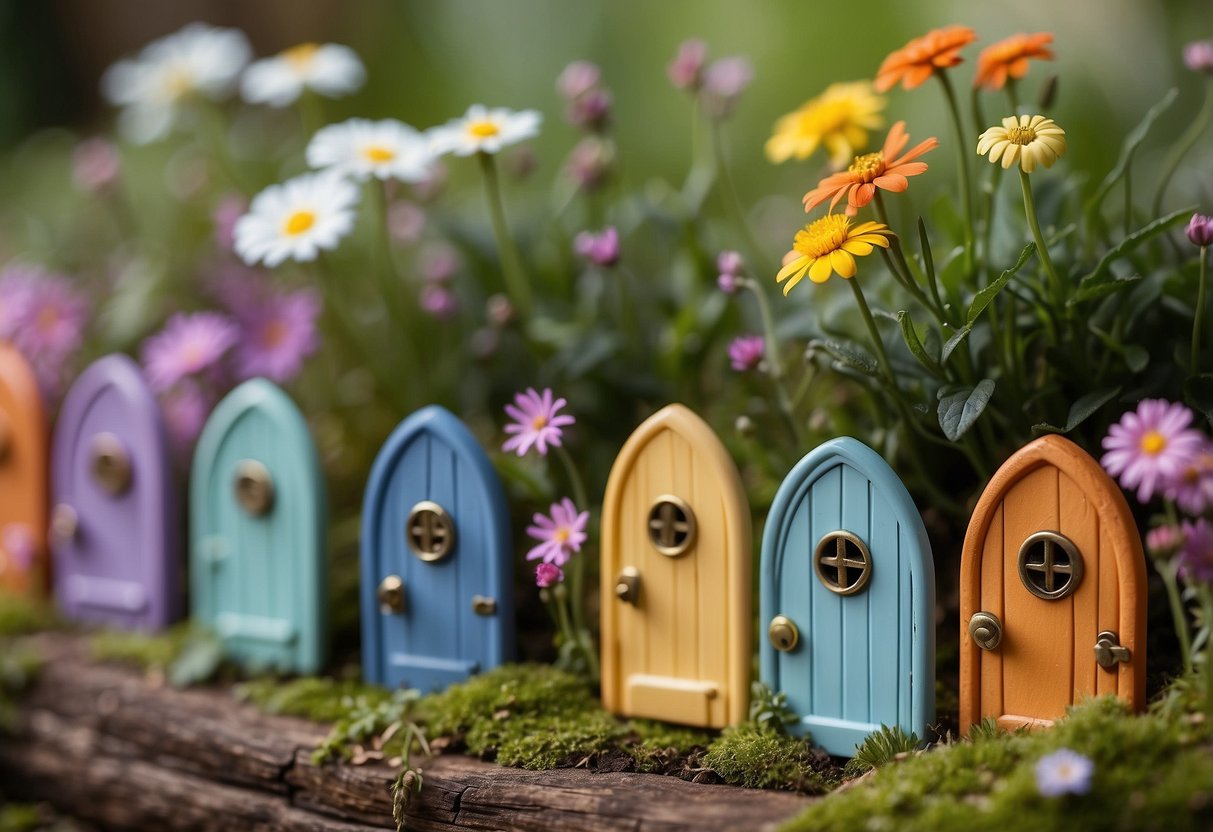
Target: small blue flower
x=1064, y=772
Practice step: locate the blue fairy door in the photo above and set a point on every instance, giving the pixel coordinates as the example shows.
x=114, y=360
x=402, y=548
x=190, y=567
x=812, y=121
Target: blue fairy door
x=847, y=597
x=437, y=570
x=257, y=530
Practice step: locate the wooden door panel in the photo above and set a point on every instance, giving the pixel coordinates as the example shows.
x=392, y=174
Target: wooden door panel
x=23, y=478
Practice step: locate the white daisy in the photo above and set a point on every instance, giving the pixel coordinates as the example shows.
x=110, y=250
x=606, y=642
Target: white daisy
x=330, y=69
x=198, y=60
x=295, y=220
x=484, y=130
x=360, y=148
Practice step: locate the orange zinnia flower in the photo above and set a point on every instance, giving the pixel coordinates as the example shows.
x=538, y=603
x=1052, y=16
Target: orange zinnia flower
x=914, y=63
x=1009, y=58
x=872, y=171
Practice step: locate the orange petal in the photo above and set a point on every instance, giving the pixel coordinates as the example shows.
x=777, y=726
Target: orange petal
x=895, y=141
x=893, y=182
x=917, y=75
x=922, y=147
x=909, y=169
x=862, y=195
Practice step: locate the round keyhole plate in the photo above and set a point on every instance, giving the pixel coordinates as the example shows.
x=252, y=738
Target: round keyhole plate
x=429, y=532
x=253, y=487
x=843, y=563
x=672, y=527
x=110, y=464
x=1050, y=566
x=783, y=634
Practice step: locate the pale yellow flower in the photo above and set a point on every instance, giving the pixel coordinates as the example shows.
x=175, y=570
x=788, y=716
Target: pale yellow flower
x=1033, y=140
x=839, y=118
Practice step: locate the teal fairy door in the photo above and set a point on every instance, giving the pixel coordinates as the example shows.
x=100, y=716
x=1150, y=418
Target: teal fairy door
x=847, y=599
x=257, y=529
x=437, y=566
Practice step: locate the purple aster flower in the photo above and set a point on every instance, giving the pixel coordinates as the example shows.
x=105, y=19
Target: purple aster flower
x=185, y=407
x=1196, y=552
x=1192, y=487
x=724, y=82
x=537, y=422
x=1064, y=772
x=686, y=70
x=560, y=533
x=95, y=164
x=277, y=333
x=590, y=162
x=1200, y=230
x=577, y=79
x=439, y=302
x=1163, y=541
x=731, y=268
x=590, y=111
x=547, y=574
x=746, y=352
x=1198, y=55
x=1150, y=446
x=601, y=249
x=44, y=316
x=188, y=345
x=18, y=547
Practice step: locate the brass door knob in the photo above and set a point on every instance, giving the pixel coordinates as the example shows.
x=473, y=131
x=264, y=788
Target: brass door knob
x=1109, y=653
x=110, y=464
x=65, y=523
x=484, y=605
x=391, y=595
x=783, y=634
x=253, y=487
x=627, y=585
x=986, y=630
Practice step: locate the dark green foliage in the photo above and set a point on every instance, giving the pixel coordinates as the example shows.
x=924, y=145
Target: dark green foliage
x=754, y=757
x=18, y=668
x=769, y=711
x=320, y=699
x=20, y=615
x=1151, y=773
x=385, y=723
x=882, y=747
x=185, y=653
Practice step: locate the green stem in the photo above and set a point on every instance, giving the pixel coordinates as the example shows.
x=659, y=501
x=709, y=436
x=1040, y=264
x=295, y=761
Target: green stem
x=966, y=191
x=1206, y=606
x=389, y=278
x=1029, y=208
x=511, y=262
x=907, y=277
x=1167, y=569
x=774, y=362
x=311, y=114
x=1186, y=142
x=1200, y=310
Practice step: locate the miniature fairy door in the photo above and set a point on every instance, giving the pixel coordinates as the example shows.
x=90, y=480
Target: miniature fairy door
x=437, y=559
x=676, y=577
x=114, y=521
x=23, y=486
x=1052, y=591
x=257, y=528
x=847, y=597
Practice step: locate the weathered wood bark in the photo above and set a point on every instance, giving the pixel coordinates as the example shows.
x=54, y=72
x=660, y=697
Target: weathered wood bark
x=107, y=745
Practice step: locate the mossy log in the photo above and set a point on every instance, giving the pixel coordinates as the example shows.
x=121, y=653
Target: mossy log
x=110, y=746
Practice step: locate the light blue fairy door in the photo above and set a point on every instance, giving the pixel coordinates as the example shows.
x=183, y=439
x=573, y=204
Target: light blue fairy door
x=257, y=528
x=437, y=566
x=847, y=599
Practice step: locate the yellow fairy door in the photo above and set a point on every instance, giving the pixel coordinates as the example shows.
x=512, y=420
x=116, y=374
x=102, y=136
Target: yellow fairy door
x=676, y=627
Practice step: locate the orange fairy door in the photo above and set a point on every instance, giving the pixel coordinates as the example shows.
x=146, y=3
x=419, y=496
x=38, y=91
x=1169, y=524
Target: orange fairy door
x=23, y=477
x=676, y=626
x=1052, y=591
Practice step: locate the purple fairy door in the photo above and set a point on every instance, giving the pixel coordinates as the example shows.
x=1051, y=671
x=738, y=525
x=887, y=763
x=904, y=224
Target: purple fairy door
x=113, y=524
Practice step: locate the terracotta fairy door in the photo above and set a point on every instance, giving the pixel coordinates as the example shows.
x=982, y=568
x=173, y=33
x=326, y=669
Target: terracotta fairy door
x=114, y=520
x=23, y=486
x=676, y=562
x=1052, y=591
x=847, y=597
x=437, y=558
x=257, y=527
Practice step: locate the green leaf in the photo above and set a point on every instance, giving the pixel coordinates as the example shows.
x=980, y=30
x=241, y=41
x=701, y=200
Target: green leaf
x=1198, y=390
x=846, y=354
x=910, y=335
x=1136, y=136
x=1080, y=411
x=958, y=411
x=983, y=299
x=198, y=660
x=1100, y=274
x=1103, y=290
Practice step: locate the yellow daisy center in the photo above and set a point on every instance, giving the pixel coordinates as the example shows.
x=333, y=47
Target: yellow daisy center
x=1153, y=443
x=299, y=222
x=1021, y=135
x=378, y=153
x=561, y=535
x=822, y=236
x=301, y=56
x=868, y=166
x=539, y=422
x=483, y=129
x=178, y=82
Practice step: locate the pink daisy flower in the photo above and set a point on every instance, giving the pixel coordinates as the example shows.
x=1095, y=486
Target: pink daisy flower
x=1149, y=447
x=187, y=346
x=601, y=249
x=43, y=316
x=185, y=408
x=746, y=352
x=537, y=422
x=1164, y=541
x=560, y=533
x=1196, y=553
x=278, y=332
x=439, y=302
x=547, y=574
x=1192, y=488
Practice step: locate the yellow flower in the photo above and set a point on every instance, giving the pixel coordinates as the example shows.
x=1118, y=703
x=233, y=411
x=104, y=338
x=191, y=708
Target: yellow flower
x=1034, y=140
x=839, y=118
x=830, y=245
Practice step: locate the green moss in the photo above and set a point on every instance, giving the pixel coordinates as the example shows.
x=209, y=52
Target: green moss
x=20, y=817
x=20, y=615
x=19, y=667
x=751, y=756
x=320, y=699
x=185, y=653
x=881, y=748
x=1150, y=773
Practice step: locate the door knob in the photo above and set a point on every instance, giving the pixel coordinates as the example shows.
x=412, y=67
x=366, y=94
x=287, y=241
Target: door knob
x=1109, y=653
x=986, y=630
x=627, y=585
x=484, y=605
x=65, y=523
x=783, y=634
x=391, y=595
